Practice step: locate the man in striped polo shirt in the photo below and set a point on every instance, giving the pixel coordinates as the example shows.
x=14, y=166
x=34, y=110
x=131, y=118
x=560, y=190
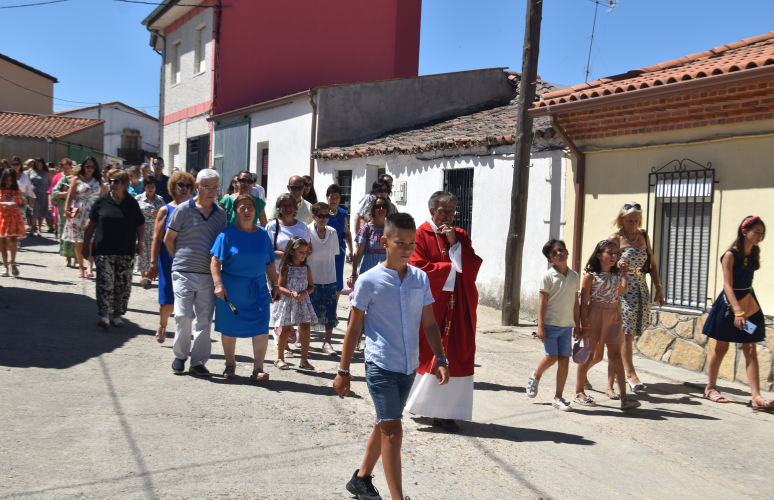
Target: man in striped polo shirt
x=193, y=228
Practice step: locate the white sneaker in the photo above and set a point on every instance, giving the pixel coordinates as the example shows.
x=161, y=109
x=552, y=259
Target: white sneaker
x=328, y=349
x=561, y=405
x=532, y=387
x=298, y=344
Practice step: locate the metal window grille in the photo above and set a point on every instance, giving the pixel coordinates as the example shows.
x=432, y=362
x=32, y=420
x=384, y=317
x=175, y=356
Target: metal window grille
x=681, y=229
x=345, y=181
x=265, y=169
x=460, y=182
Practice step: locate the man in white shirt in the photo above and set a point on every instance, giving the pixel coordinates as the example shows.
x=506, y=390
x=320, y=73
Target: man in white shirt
x=303, y=207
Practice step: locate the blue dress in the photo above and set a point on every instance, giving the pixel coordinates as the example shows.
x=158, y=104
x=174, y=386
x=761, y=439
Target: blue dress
x=166, y=295
x=339, y=223
x=720, y=321
x=245, y=257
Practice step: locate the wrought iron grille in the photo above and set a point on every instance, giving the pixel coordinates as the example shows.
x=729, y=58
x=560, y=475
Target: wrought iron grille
x=681, y=229
x=460, y=182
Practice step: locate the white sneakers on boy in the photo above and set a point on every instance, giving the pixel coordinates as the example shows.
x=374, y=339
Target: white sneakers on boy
x=561, y=405
x=532, y=386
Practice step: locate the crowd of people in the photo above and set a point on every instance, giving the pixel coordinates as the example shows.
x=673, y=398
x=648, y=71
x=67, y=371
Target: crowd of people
x=412, y=288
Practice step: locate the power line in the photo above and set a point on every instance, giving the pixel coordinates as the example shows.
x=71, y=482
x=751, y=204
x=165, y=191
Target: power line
x=44, y=95
x=33, y=4
x=155, y=3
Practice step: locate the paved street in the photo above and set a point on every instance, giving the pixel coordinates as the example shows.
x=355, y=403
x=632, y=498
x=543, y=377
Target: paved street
x=94, y=414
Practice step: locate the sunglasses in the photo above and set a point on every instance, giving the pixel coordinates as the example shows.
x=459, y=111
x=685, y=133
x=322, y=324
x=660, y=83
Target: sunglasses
x=115, y=181
x=158, y=164
x=380, y=206
x=184, y=185
x=635, y=206
x=89, y=167
x=16, y=164
x=245, y=181
x=296, y=188
x=307, y=185
x=323, y=216
x=385, y=191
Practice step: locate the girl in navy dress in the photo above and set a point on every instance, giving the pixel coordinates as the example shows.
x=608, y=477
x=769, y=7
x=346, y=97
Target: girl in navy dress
x=736, y=316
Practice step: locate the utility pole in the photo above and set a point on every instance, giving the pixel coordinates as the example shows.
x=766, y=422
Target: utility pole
x=514, y=245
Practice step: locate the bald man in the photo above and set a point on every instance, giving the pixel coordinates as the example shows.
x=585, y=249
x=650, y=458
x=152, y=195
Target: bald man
x=303, y=207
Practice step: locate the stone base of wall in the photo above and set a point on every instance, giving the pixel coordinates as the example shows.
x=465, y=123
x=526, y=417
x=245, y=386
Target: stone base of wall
x=677, y=339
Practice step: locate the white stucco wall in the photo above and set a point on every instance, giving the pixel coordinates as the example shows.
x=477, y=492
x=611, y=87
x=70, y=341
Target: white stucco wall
x=491, y=205
x=117, y=118
x=178, y=132
x=286, y=130
x=194, y=86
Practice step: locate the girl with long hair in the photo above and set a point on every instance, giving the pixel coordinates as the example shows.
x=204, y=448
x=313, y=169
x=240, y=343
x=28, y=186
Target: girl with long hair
x=11, y=220
x=605, y=280
x=736, y=317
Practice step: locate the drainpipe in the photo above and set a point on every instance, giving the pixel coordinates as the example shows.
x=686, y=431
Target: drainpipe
x=160, y=148
x=580, y=175
x=314, y=133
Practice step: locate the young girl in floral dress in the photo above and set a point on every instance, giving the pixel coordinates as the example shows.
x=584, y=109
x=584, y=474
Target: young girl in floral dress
x=294, y=308
x=11, y=220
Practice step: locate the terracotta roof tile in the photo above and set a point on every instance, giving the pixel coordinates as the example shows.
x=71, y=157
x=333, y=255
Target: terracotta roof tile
x=489, y=128
x=42, y=126
x=749, y=53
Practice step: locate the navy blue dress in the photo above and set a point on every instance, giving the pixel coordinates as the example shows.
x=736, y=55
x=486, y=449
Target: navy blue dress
x=720, y=321
x=244, y=259
x=166, y=295
x=339, y=223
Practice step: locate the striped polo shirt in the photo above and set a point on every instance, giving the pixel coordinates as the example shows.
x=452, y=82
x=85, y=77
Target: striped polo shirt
x=195, y=235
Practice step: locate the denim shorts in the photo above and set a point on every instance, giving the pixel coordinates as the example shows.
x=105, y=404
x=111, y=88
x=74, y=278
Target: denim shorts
x=558, y=341
x=389, y=391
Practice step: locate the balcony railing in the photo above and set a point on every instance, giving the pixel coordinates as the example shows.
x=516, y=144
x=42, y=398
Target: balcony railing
x=133, y=156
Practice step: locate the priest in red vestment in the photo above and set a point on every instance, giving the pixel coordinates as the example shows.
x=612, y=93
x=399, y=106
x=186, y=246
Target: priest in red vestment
x=446, y=255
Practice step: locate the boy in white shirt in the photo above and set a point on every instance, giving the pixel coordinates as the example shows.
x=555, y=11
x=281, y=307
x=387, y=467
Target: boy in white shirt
x=558, y=314
x=322, y=262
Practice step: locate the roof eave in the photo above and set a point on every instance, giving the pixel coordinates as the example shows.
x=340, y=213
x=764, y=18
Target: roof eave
x=651, y=92
x=158, y=11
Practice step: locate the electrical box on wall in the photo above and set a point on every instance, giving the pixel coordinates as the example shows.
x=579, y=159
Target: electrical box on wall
x=399, y=192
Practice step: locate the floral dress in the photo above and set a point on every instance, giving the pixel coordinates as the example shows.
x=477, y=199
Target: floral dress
x=11, y=221
x=289, y=311
x=147, y=206
x=66, y=248
x=635, y=303
x=86, y=194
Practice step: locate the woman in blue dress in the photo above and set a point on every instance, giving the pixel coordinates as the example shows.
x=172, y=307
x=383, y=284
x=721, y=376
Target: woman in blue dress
x=180, y=187
x=242, y=256
x=340, y=222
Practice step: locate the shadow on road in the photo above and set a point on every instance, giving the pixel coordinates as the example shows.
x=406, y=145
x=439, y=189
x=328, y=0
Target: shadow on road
x=47, y=329
x=645, y=413
x=516, y=434
x=487, y=386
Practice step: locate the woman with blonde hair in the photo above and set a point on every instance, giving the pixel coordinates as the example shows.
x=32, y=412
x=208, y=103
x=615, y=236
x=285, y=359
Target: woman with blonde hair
x=634, y=249
x=180, y=186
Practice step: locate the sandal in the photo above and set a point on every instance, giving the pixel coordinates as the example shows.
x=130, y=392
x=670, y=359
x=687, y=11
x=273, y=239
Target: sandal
x=14, y=270
x=610, y=392
x=305, y=365
x=628, y=402
x=161, y=335
x=636, y=387
x=229, y=372
x=280, y=363
x=289, y=353
x=5, y=273
x=103, y=323
x=586, y=401
x=714, y=396
x=258, y=376
x=760, y=403
x=117, y=322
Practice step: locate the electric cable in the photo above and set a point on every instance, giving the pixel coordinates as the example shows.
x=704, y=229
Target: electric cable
x=33, y=4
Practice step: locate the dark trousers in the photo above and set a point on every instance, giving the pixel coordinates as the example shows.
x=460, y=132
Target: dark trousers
x=114, y=283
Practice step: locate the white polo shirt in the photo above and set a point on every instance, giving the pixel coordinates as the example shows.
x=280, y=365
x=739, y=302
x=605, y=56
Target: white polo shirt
x=562, y=296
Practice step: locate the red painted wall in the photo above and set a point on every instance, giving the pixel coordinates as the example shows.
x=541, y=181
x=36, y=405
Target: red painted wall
x=270, y=48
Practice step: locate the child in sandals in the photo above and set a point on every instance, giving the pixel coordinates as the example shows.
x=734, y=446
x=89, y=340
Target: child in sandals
x=294, y=308
x=600, y=316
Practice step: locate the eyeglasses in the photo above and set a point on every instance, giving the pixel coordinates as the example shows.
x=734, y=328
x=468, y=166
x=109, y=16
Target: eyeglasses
x=635, y=206
x=210, y=189
x=283, y=207
x=380, y=206
x=115, y=181
x=323, y=216
x=184, y=185
x=296, y=188
x=245, y=181
x=444, y=213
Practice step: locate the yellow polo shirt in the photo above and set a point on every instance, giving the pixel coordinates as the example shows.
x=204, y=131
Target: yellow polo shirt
x=562, y=296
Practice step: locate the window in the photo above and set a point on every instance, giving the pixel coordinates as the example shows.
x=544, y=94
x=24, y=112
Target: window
x=176, y=63
x=345, y=181
x=265, y=169
x=459, y=181
x=200, y=52
x=682, y=223
x=174, y=153
x=130, y=141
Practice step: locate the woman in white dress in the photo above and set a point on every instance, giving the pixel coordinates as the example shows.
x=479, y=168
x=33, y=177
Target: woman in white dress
x=85, y=188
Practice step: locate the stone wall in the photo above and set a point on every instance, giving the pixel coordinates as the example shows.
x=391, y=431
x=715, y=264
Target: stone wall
x=677, y=339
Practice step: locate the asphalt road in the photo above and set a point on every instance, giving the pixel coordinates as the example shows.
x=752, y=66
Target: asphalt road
x=94, y=414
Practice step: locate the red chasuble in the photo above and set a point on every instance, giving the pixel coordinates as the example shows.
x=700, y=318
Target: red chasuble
x=455, y=312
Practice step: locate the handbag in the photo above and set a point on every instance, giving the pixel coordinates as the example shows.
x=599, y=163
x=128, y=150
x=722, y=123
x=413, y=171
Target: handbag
x=581, y=354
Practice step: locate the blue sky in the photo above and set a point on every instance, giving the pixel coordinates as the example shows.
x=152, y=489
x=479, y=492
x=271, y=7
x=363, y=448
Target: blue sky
x=99, y=50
